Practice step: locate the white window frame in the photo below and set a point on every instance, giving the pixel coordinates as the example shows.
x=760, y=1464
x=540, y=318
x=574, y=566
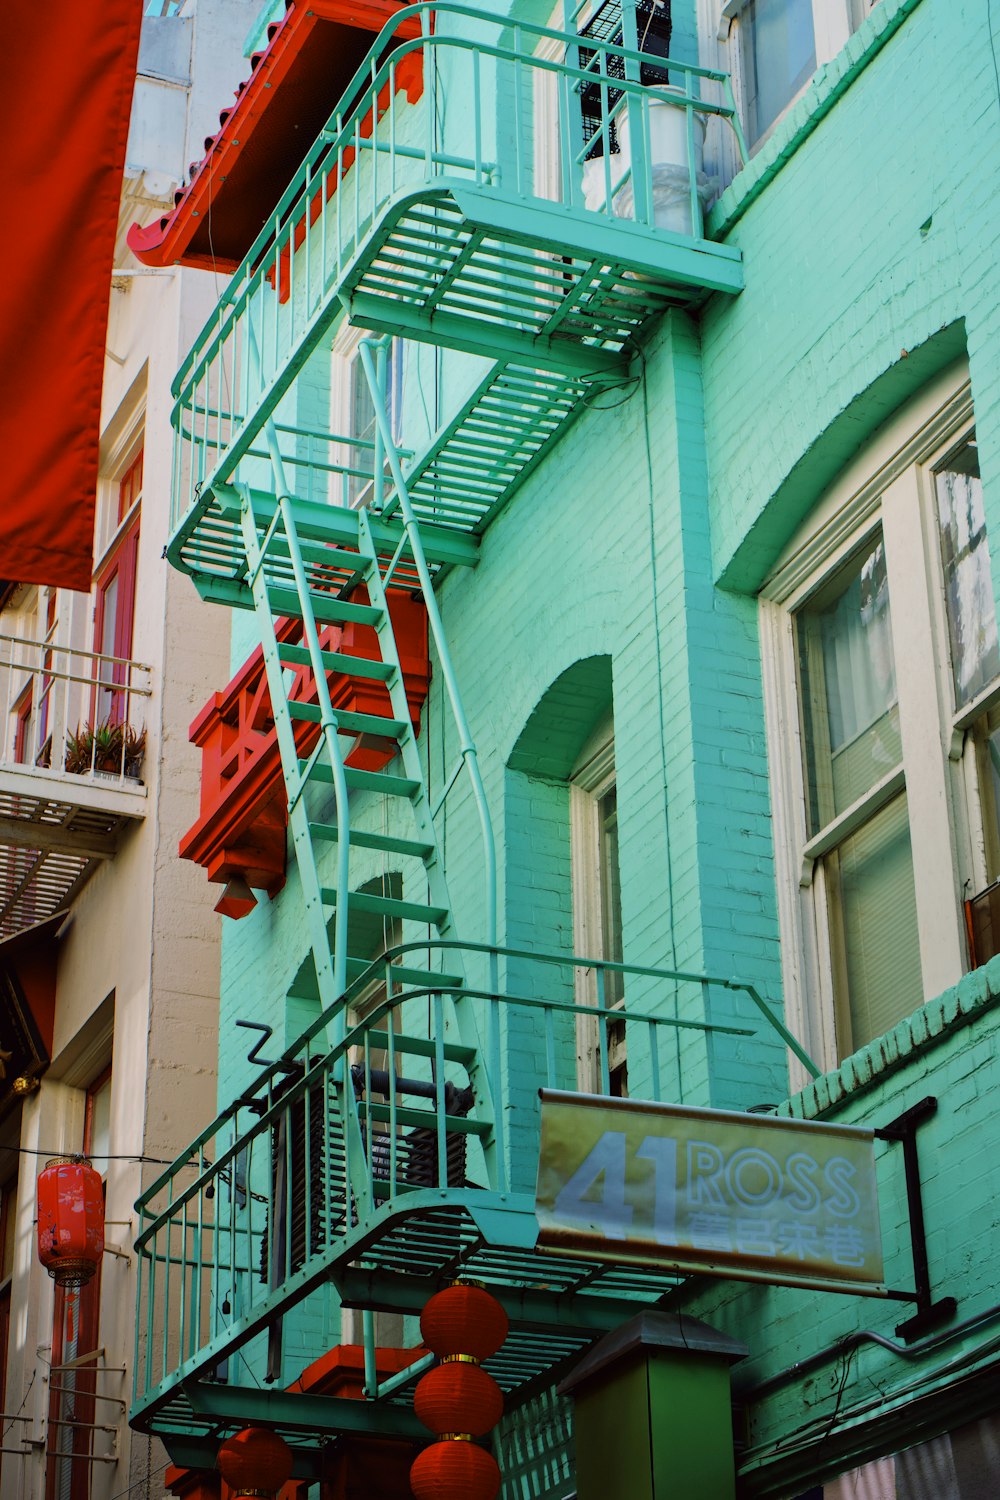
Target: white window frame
x=547, y=163
x=592, y=778
x=719, y=29
x=889, y=486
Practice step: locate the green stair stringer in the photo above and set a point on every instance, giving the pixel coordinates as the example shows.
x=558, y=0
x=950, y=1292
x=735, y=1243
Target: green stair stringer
x=334, y=966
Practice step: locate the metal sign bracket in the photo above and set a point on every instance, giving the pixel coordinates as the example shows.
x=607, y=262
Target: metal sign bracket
x=929, y=1314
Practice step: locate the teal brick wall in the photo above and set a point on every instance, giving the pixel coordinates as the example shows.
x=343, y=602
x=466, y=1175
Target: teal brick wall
x=868, y=225
x=947, y=1049
x=870, y=262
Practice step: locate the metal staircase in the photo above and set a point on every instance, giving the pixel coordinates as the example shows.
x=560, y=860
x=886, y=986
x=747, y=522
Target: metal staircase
x=377, y=1154
x=324, y=583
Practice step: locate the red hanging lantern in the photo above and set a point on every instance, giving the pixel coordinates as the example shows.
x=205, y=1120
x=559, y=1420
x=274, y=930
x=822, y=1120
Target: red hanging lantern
x=464, y=1320
x=455, y=1470
x=255, y=1462
x=70, y=1220
x=458, y=1397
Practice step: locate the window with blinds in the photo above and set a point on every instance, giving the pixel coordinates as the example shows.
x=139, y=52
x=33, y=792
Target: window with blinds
x=851, y=743
x=882, y=690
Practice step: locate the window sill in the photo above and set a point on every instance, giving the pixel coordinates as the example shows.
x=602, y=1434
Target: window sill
x=929, y=1026
x=829, y=83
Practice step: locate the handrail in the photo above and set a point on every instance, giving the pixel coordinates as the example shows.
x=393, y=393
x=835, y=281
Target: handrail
x=215, y=360
x=371, y=73
x=291, y=1179
x=467, y=745
x=277, y=1072
x=67, y=710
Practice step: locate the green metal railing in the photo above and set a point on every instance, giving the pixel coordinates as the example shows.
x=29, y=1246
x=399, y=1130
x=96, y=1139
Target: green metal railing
x=295, y=1180
x=321, y=245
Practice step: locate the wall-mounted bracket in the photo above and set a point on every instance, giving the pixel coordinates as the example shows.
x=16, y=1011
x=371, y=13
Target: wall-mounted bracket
x=929, y=1314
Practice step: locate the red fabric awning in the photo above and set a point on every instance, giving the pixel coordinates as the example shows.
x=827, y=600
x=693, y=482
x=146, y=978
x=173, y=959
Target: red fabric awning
x=68, y=90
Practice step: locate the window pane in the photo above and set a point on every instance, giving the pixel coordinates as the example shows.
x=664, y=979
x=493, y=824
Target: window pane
x=848, y=687
x=972, y=621
x=779, y=56
x=363, y=416
x=986, y=736
x=879, y=914
x=99, y=1131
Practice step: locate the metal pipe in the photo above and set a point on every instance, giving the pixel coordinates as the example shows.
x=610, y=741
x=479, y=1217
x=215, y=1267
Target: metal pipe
x=467, y=745
x=917, y=1350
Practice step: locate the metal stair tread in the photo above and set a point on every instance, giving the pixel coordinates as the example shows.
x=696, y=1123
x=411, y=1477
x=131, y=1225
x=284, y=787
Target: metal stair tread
x=330, y=609
x=339, y=524
x=426, y=1119
x=389, y=906
x=304, y=986
x=335, y=661
x=350, y=722
x=420, y=1046
x=424, y=979
x=386, y=843
x=362, y=781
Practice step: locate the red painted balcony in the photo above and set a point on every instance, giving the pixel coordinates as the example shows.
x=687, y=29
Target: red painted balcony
x=241, y=827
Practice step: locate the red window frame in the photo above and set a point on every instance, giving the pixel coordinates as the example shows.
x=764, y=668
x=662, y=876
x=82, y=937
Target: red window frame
x=130, y=486
x=76, y=1324
x=22, y=726
x=120, y=568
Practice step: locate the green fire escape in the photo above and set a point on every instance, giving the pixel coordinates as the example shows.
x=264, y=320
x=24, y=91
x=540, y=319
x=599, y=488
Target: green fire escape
x=377, y=1154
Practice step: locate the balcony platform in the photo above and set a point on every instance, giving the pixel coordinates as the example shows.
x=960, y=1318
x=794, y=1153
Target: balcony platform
x=55, y=829
x=395, y=1183
x=475, y=269
x=557, y=1306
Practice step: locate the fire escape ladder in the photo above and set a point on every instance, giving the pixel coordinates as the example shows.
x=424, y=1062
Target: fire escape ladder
x=305, y=579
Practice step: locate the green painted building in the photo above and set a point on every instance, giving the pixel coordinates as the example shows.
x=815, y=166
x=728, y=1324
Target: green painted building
x=631, y=371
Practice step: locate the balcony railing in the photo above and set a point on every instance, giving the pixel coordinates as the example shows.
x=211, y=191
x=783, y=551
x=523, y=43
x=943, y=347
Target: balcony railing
x=431, y=219
x=374, y=1163
x=71, y=712
x=72, y=740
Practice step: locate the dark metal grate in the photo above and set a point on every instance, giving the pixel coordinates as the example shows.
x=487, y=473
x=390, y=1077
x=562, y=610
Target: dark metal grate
x=654, y=27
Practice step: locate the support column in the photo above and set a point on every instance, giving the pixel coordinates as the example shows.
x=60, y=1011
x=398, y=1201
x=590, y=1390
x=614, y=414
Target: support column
x=652, y=1413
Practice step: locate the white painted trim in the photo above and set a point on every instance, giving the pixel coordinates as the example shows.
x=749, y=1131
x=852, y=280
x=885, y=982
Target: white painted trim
x=591, y=777
x=888, y=487
x=833, y=23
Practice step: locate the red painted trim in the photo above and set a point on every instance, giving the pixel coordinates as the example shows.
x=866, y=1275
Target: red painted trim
x=121, y=565
x=242, y=820
x=22, y=728
x=247, y=131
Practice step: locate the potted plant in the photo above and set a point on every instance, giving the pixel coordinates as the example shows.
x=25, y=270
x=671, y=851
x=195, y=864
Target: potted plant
x=106, y=748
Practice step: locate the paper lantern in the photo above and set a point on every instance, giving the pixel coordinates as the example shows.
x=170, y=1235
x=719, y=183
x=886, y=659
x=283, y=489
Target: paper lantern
x=458, y=1397
x=455, y=1470
x=255, y=1462
x=70, y=1220
x=463, y=1320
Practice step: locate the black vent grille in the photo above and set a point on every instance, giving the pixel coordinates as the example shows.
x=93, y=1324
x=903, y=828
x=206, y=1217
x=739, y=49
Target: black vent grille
x=654, y=27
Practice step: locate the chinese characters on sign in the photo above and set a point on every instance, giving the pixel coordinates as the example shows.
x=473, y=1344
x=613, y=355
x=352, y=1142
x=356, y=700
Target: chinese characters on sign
x=749, y=1196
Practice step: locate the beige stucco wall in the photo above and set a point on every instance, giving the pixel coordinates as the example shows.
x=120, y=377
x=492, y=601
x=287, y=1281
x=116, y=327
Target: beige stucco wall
x=142, y=930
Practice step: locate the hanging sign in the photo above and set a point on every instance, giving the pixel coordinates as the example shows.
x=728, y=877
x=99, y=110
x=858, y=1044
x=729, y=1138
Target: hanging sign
x=754, y=1197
